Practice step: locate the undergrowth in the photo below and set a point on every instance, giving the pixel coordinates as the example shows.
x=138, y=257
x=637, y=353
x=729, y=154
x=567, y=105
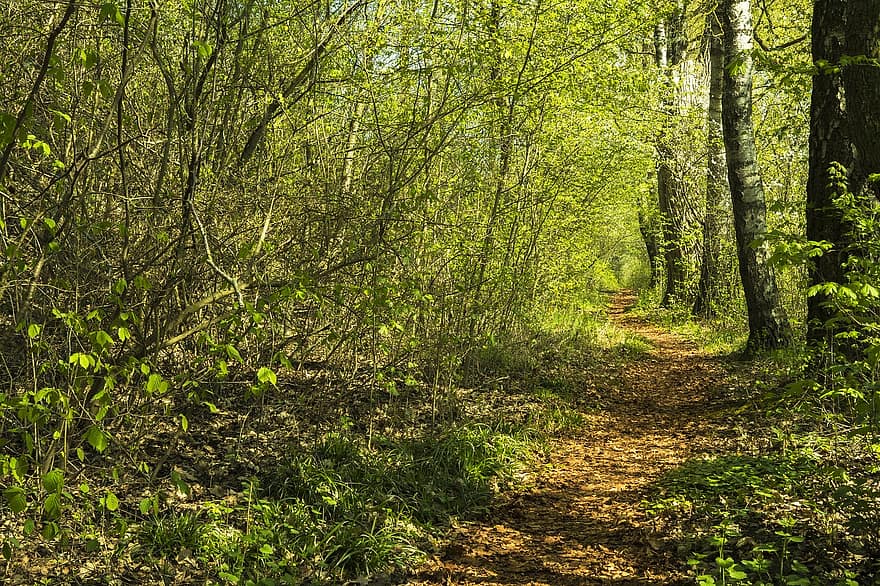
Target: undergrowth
x=795, y=500
x=365, y=495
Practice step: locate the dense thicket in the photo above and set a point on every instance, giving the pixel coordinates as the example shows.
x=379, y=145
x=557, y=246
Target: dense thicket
x=199, y=199
x=211, y=186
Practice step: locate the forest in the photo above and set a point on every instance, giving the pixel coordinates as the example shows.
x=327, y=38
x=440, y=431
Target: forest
x=435, y=292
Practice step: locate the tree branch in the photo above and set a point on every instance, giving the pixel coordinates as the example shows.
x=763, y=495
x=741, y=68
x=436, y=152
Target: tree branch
x=41, y=76
x=273, y=109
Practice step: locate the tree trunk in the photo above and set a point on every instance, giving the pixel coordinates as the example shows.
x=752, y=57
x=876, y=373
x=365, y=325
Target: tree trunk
x=829, y=143
x=670, y=48
x=716, y=225
x=648, y=230
x=844, y=132
x=768, y=324
x=861, y=81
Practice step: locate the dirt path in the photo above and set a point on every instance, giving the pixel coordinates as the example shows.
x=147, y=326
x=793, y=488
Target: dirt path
x=581, y=524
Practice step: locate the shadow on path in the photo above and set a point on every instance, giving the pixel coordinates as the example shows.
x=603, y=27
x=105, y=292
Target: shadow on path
x=580, y=523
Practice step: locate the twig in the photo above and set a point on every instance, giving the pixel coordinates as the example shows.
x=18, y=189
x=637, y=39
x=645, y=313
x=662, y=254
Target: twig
x=233, y=282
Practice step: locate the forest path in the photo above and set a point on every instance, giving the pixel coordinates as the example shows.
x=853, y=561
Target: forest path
x=580, y=523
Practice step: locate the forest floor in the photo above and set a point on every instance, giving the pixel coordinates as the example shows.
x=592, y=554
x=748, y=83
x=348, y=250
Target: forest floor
x=637, y=410
x=580, y=521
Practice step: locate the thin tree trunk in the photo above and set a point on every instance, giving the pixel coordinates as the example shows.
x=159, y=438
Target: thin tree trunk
x=648, y=229
x=768, y=324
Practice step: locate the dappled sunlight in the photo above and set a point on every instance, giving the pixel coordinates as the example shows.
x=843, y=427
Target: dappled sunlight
x=581, y=521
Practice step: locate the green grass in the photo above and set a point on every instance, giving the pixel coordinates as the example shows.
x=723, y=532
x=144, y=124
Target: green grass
x=344, y=510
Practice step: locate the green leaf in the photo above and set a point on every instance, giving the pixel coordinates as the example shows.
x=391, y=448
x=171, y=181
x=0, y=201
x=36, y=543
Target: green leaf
x=111, y=11
x=156, y=384
x=184, y=423
x=81, y=359
x=123, y=334
x=34, y=330
x=111, y=501
x=50, y=530
x=267, y=375
x=230, y=578
x=736, y=574
x=15, y=497
x=103, y=339
x=53, y=481
x=233, y=354
x=203, y=48
x=52, y=506
x=96, y=438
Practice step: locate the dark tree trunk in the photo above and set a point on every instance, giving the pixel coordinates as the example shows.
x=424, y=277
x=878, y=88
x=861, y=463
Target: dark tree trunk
x=829, y=143
x=648, y=230
x=861, y=81
x=768, y=324
x=844, y=135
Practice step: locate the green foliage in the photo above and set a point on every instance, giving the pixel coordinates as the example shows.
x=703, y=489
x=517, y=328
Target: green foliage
x=344, y=509
x=167, y=534
x=428, y=479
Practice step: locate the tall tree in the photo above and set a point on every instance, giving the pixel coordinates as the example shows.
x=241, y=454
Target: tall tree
x=829, y=144
x=861, y=80
x=768, y=323
x=716, y=223
x=844, y=142
x=677, y=218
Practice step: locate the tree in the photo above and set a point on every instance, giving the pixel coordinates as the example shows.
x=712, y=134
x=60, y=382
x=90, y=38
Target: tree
x=861, y=80
x=844, y=143
x=829, y=144
x=768, y=323
x=673, y=188
x=717, y=220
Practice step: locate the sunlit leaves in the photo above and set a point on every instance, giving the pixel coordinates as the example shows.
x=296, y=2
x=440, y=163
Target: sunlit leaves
x=267, y=375
x=16, y=498
x=96, y=438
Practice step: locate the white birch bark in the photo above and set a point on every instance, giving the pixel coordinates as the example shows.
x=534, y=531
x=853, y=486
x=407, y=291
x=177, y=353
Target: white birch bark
x=768, y=324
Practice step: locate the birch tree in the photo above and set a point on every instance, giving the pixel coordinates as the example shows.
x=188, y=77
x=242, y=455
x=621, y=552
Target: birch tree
x=768, y=323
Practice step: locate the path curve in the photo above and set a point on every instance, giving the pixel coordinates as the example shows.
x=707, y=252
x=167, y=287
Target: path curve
x=580, y=524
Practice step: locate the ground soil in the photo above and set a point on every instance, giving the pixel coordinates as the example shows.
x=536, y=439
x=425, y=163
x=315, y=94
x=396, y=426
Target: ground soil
x=581, y=522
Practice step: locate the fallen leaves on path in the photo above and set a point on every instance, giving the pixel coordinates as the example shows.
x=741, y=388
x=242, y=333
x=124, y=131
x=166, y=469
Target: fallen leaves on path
x=580, y=522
